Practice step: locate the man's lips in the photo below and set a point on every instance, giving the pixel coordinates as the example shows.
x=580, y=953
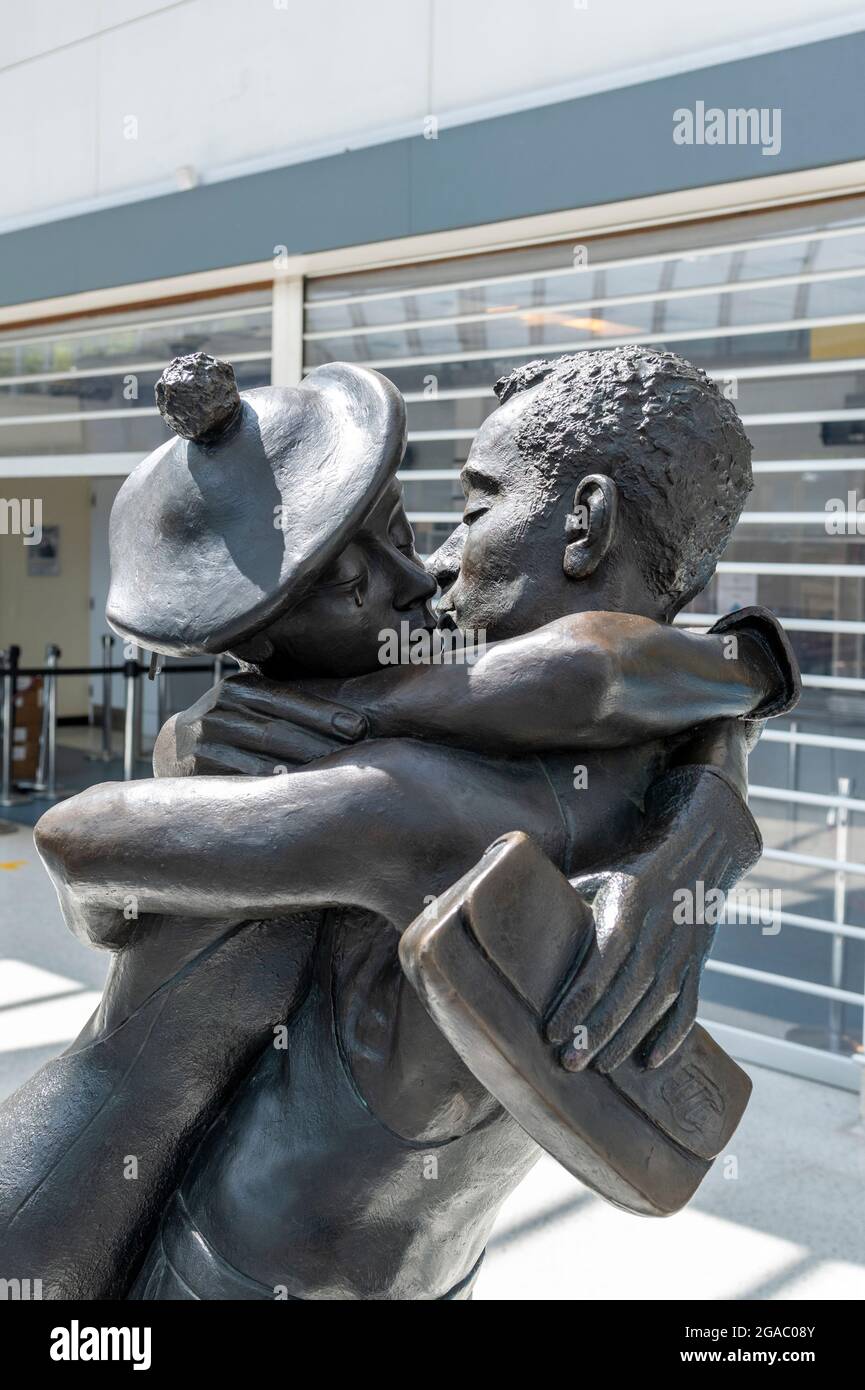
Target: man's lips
x=446, y=620
x=445, y=612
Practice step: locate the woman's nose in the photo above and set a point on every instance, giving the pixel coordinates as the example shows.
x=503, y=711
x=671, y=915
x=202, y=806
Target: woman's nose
x=415, y=586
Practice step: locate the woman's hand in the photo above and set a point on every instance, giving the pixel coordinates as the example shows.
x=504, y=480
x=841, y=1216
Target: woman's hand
x=247, y=725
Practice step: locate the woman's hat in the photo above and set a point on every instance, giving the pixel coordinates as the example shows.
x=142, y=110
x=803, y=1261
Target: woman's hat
x=225, y=525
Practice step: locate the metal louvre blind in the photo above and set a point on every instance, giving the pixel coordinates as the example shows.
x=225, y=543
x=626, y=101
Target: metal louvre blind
x=85, y=387
x=772, y=304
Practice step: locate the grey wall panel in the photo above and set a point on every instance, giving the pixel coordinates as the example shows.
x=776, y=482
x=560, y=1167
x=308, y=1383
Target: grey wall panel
x=617, y=145
x=595, y=149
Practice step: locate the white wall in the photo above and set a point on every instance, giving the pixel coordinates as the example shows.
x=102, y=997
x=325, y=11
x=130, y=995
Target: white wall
x=217, y=84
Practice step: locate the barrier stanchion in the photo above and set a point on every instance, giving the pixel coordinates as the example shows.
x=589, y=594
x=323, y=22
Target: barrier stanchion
x=8, y=795
x=45, y=785
x=106, y=752
x=131, y=671
x=107, y=709
x=836, y=966
x=162, y=693
x=140, y=757
x=130, y=676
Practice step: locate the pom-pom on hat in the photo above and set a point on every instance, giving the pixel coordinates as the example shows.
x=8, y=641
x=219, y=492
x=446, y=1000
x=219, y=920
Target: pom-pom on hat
x=226, y=525
x=198, y=396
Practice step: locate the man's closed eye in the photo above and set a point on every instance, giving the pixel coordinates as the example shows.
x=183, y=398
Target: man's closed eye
x=473, y=510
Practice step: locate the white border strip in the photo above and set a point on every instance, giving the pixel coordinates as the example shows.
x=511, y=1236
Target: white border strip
x=808, y=466
x=68, y=417
x=839, y=626
x=777, y=1054
x=69, y=465
x=814, y=861
x=850, y=745
x=850, y=803
x=765, y=977
x=792, y=568
x=819, y=924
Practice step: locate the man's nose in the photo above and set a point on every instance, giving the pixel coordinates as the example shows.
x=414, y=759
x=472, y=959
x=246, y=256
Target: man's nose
x=444, y=563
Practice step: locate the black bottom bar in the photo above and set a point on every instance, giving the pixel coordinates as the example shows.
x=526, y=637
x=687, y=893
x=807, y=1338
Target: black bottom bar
x=651, y=1337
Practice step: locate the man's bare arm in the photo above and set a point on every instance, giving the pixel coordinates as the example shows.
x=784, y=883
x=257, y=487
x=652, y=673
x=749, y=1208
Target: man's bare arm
x=588, y=680
x=592, y=680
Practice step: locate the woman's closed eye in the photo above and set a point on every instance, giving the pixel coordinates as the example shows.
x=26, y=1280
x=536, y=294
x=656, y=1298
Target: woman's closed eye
x=347, y=571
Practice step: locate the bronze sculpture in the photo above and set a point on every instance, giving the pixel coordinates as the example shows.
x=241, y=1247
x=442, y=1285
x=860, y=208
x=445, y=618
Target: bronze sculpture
x=291, y=1163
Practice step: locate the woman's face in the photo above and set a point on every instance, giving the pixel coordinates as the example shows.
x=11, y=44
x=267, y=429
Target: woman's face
x=376, y=583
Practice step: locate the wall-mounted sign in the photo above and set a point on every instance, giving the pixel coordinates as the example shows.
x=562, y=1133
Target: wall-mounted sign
x=44, y=559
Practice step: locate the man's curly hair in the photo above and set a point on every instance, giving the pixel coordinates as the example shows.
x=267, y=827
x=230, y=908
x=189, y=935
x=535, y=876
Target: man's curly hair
x=662, y=429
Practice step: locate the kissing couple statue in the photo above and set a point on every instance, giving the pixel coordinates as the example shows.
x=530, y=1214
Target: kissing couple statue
x=380, y=935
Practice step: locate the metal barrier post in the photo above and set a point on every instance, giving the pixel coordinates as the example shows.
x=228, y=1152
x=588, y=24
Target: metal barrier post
x=836, y=976
x=8, y=795
x=130, y=676
x=139, y=715
x=105, y=753
x=793, y=763
x=46, y=774
x=161, y=697
x=217, y=670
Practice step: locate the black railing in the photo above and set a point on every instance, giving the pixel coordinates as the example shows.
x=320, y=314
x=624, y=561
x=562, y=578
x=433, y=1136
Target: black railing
x=44, y=785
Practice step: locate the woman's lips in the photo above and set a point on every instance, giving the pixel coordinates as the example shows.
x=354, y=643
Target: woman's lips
x=418, y=619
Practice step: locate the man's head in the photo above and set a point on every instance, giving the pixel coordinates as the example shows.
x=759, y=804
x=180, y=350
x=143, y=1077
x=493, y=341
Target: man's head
x=605, y=480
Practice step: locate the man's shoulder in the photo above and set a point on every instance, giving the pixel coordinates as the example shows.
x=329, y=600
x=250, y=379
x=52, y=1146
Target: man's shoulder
x=761, y=624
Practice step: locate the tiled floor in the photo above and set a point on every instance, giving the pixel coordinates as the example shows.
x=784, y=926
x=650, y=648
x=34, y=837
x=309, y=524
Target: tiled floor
x=790, y=1224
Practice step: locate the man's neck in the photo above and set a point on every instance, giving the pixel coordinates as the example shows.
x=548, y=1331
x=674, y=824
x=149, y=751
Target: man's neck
x=623, y=593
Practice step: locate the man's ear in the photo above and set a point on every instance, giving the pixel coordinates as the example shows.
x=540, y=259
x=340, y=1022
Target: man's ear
x=590, y=527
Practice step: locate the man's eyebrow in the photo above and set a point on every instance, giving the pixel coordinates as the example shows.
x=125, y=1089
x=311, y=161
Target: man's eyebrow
x=475, y=473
